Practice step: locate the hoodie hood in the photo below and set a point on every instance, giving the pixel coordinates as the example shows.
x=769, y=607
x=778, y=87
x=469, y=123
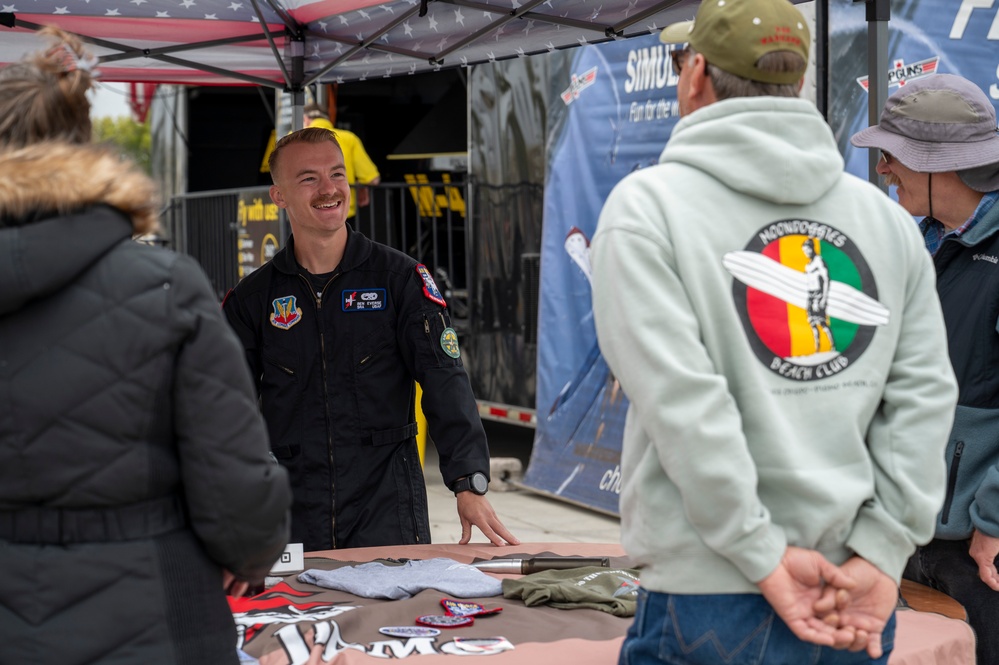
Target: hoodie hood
x=62, y=207
x=724, y=140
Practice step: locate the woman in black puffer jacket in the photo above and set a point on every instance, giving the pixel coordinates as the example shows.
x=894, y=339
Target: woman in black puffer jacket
x=135, y=480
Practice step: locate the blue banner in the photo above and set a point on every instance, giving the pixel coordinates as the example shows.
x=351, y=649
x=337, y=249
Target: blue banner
x=612, y=115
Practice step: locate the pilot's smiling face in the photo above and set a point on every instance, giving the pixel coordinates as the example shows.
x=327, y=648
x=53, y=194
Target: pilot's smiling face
x=311, y=184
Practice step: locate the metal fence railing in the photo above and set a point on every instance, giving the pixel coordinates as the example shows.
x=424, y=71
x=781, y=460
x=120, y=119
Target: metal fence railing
x=204, y=226
x=426, y=220
x=482, y=243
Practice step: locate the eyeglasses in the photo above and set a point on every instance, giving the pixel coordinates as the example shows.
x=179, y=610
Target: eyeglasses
x=679, y=58
x=887, y=157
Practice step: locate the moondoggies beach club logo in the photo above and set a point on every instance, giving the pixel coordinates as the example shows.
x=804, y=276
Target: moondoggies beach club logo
x=807, y=298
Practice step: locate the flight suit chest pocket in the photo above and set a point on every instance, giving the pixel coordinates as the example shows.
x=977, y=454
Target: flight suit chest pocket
x=382, y=382
x=374, y=348
x=280, y=393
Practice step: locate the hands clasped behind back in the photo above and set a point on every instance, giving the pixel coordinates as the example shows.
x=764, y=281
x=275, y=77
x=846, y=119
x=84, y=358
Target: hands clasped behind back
x=844, y=607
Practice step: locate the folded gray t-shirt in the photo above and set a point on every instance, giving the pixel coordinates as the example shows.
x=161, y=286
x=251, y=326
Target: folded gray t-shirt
x=376, y=580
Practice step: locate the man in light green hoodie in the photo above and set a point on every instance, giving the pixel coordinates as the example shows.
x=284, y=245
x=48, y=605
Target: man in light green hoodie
x=774, y=483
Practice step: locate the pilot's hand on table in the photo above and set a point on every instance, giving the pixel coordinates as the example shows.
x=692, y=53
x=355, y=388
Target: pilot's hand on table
x=474, y=510
x=984, y=550
x=232, y=586
x=795, y=590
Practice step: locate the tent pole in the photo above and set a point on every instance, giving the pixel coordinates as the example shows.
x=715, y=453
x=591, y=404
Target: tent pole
x=297, y=77
x=878, y=15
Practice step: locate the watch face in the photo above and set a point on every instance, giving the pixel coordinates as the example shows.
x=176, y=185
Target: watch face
x=479, y=483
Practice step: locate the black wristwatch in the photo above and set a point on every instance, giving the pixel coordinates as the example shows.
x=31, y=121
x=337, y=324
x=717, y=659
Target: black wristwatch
x=476, y=482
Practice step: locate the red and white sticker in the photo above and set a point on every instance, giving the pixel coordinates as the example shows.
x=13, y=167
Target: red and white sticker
x=482, y=645
x=463, y=608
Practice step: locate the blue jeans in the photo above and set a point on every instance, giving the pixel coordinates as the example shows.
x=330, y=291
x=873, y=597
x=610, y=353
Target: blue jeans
x=946, y=566
x=725, y=629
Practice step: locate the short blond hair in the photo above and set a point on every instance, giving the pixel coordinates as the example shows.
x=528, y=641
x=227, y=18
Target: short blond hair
x=44, y=95
x=307, y=135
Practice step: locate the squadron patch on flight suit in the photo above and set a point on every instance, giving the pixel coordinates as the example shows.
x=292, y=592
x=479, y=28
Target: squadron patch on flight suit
x=449, y=342
x=286, y=312
x=429, y=286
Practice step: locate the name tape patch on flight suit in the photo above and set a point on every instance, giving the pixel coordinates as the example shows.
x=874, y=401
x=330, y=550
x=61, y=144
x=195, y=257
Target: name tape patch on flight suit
x=362, y=300
x=286, y=312
x=430, y=286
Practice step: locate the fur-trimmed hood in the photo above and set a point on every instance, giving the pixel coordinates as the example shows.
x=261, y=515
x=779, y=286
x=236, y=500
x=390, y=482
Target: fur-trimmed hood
x=62, y=208
x=55, y=178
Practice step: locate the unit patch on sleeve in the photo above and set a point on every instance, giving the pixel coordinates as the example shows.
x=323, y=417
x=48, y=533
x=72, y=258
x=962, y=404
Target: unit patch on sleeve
x=286, y=312
x=449, y=342
x=429, y=286
x=362, y=300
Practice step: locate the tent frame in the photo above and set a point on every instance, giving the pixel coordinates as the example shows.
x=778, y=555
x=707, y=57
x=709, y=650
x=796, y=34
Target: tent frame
x=295, y=81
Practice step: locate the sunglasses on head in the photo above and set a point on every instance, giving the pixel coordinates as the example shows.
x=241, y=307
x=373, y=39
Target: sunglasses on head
x=679, y=58
x=887, y=157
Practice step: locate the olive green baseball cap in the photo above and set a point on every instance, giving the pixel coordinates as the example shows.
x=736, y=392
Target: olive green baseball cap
x=734, y=34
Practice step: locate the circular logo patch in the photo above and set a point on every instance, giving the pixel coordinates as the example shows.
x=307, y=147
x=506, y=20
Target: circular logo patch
x=464, y=608
x=806, y=297
x=482, y=645
x=409, y=631
x=460, y=608
x=444, y=620
x=449, y=342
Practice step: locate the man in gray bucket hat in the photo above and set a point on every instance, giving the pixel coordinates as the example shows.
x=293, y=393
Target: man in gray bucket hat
x=940, y=149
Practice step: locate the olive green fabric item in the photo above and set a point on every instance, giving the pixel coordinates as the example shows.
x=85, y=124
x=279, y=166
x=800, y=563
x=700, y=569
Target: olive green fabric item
x=734, y=34
x=611, y=590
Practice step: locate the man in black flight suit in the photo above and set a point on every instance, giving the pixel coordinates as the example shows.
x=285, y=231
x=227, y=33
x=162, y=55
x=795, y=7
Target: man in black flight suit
x=336, y=329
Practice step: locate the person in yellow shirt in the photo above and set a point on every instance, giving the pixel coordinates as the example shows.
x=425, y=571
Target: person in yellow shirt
x=360, y=169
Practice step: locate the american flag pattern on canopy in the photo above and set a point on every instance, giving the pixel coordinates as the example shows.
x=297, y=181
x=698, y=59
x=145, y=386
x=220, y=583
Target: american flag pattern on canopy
x=293, y=43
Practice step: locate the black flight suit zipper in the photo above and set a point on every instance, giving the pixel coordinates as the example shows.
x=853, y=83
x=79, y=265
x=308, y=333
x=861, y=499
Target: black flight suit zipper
x=326, y=399
x=952, y=481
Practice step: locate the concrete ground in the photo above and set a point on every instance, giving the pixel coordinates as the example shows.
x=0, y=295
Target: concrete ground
x=531, y=517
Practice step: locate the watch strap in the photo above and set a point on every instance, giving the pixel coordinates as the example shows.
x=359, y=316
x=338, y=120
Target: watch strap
x=465, y=484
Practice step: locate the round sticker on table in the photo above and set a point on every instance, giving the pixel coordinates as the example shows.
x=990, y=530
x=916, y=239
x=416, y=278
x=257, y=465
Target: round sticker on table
x=444, y=620
x=409, y=631
x=482, y=645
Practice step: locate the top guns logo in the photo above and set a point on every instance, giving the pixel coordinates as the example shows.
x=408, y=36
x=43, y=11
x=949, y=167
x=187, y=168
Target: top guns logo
x=578, y=83
x=901, y=73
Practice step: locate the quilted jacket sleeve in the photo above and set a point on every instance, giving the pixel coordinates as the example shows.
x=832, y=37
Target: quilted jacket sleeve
x=238, y=498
